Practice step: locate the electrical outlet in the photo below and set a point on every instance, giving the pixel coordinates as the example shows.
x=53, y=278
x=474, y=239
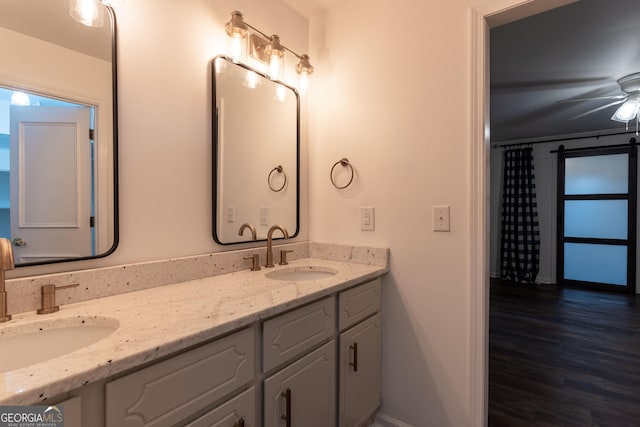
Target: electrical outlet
x=441, y=218
x=231, y=214
x=264, y=216
x=367, y=218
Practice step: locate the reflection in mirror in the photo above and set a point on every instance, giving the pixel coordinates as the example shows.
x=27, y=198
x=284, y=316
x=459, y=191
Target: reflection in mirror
x=256, y=154
x=58, y=148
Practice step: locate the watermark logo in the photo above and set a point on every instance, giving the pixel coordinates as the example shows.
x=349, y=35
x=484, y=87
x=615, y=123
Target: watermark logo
x=31, y=416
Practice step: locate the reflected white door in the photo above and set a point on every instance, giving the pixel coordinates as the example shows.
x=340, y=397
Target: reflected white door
x=50, y=182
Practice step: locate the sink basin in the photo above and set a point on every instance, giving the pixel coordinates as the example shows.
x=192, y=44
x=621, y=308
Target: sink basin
x=34, y=342
x=297, y=274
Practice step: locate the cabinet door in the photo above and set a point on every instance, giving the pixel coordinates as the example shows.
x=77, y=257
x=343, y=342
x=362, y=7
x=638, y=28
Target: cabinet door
x=360, y=372
x=72, y=411
x=237, y=412
x=311, y=382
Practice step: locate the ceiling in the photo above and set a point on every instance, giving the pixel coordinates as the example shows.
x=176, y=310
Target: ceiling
x=310, y=8
x=575, y=51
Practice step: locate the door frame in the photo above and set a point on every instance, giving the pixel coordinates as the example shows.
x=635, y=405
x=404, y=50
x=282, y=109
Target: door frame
x=484, y=17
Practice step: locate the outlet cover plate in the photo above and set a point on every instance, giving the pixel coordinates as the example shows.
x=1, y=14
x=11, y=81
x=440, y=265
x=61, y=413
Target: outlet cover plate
x=367, y=218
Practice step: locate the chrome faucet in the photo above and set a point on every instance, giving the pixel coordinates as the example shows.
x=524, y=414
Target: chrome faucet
x=246, y=225
x=273, y=228
x=6, y=263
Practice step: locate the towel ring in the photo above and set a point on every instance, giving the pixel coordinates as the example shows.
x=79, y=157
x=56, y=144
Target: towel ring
x=344, y=162
x=278, y=169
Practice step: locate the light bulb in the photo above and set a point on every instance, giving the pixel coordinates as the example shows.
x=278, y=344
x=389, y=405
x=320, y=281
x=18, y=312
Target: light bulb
x=237, y=48
x=20, y=98
x=276, y=67
x=303, y=83
x=281, y=93
x=251, y=80
x=87, y=12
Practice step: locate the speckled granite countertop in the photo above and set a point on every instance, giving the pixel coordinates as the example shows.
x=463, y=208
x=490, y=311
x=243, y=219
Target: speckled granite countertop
x=160, y=321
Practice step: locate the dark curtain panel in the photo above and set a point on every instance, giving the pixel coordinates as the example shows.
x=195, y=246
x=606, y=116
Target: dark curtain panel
x=520, y=241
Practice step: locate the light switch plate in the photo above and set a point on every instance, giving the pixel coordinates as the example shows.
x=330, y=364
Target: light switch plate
x=441, y=218
x=231, y=214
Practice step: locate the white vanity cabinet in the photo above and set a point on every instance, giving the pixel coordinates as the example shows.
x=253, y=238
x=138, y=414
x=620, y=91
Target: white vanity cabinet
x=301, y=343
x=316, y=365
x=359, y=341
x=171, y=392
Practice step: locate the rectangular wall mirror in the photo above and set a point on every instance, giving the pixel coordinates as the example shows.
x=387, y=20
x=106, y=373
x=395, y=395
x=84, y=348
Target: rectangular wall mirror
x=58, y=133
x=255, y=154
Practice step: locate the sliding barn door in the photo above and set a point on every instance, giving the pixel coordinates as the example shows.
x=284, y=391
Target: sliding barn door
x=597, y=217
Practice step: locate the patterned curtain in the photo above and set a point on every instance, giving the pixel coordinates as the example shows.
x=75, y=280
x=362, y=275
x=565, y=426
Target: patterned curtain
x=520, y=241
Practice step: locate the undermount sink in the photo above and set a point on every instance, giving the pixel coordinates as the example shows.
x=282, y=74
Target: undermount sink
x=297, y=274
x=35, y=342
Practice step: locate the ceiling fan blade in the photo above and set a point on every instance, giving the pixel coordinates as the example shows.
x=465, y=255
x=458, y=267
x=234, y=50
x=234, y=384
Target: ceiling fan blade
x=621, y=96
x=595, y=110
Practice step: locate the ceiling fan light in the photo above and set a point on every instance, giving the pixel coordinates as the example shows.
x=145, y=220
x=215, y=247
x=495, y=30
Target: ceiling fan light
x=626, y=111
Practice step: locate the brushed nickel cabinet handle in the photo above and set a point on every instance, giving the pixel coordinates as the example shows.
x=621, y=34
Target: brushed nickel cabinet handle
x=287, y=410
x=240, y=423
x=354, y=347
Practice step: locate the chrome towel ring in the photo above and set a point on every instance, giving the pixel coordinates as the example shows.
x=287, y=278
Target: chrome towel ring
x=280, y=170
x=344, y=162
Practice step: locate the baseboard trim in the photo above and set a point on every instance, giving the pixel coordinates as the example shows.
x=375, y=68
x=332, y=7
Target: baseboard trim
x=382, y=420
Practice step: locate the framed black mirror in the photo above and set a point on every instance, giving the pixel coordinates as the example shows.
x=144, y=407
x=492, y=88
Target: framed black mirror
x=256, y=145
x=58, y=133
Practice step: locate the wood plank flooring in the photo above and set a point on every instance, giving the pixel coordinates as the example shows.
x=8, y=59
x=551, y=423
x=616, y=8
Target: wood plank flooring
x=563, y=357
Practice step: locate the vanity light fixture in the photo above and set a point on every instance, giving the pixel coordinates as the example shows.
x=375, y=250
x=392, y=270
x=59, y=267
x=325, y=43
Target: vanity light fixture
x=266, y=49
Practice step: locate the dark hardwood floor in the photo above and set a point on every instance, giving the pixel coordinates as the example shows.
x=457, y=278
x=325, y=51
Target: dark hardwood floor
x=563, y=357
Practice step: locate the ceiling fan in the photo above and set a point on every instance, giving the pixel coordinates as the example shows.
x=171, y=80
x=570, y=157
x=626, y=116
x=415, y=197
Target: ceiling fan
x=630, y=100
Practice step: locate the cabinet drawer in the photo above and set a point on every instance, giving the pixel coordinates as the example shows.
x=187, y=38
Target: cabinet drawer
x=358, y=303
x=170, y=391
x=293, y=333
x=239, y=411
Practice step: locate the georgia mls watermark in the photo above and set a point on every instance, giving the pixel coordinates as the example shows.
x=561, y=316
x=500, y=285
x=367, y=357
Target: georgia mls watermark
x=31, y=416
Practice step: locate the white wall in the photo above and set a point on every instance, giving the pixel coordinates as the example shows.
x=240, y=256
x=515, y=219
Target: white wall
x=546, y=170
x=391, y=93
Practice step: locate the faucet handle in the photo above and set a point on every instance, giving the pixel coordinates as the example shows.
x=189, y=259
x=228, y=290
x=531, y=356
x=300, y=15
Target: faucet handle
x=283, y=256
x=48, y=297
x=255, y=261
